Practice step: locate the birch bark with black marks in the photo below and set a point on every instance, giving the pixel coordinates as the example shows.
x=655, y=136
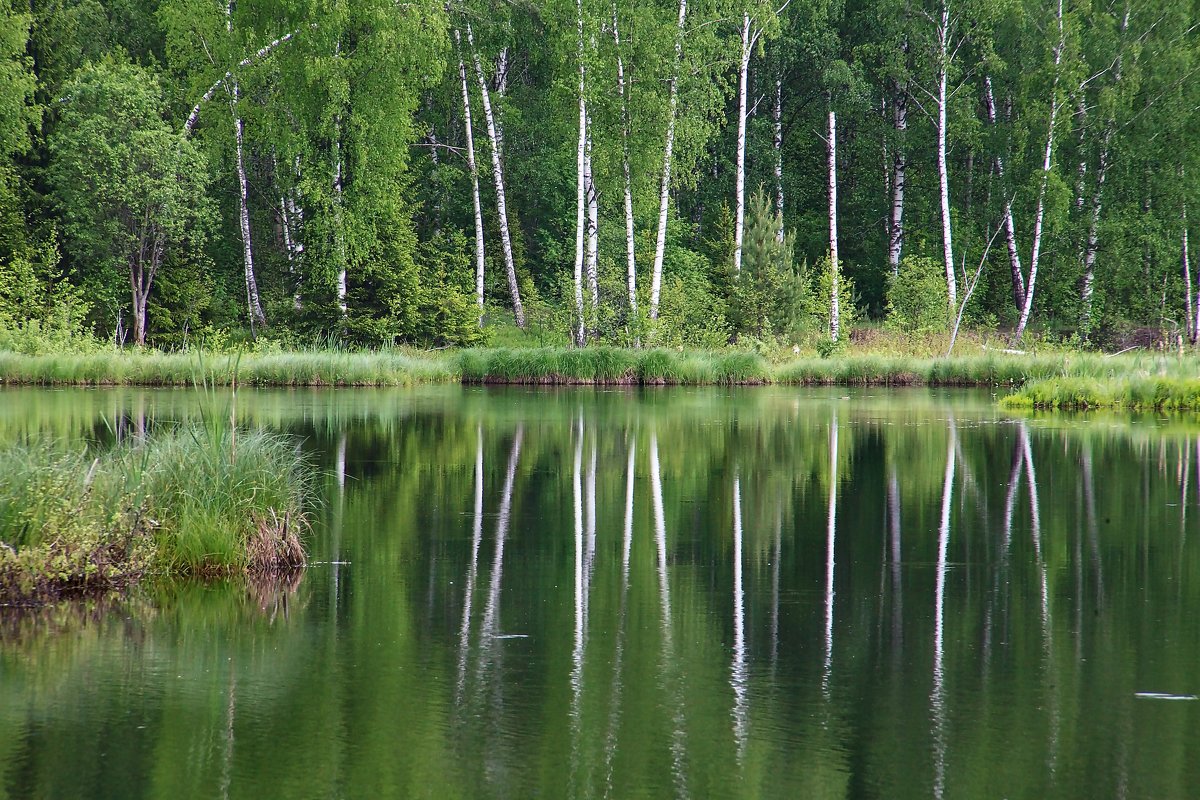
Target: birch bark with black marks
x=1009, y=225
x=253, y=305
x=739, y=223
x=1193, y=322
x=293, y=207
x=580, y=333
x=660, y=244
x=339, y=217
x=630, y=256
x=834, y=262
x=1088, y=285
x=498, y=179
x=943, y=68
x=473, y=168
x=1040, y=213
x=899, y=173
x=593, y=234
x=777, y=119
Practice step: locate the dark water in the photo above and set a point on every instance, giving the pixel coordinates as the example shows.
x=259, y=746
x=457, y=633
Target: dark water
x=675, y=593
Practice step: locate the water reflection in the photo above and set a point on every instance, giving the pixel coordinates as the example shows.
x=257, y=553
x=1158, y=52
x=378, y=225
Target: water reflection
x=676, y=593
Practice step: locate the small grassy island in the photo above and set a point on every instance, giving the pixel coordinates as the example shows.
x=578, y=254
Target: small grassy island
x=199, y=500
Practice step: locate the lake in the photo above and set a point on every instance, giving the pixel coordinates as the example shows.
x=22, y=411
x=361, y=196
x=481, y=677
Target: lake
x=561, y=593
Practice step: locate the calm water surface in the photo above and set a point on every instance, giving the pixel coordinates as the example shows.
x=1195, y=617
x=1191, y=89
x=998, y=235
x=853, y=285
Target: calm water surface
x=675, y=593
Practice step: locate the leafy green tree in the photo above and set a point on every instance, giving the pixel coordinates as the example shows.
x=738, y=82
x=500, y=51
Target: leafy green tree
x=131, y=192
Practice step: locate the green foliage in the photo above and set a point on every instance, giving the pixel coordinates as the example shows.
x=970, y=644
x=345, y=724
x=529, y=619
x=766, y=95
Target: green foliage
x=917, y=299
x=691, y=315
x=768, y=297
x=131, y=193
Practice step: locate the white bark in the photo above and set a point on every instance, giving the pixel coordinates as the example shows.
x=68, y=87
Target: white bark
x=593, y=232
x=834, y=262
x=830, y=555
x=1010, y=232
x=1093, y=237
x=739, y=223
x=777, y=115
x=498, y=179
x=295, y=224
x=580, y=184
x=665, y=186
x=339, y=220
x=1040, y=213
x=473, y=168
x=899, y=175
x=943, y=170
x=258, y=55
x=253, y=304
x=630, y=258
x=1186, y=263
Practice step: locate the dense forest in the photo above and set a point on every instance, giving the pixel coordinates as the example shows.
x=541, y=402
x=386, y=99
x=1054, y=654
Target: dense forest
x=687, y=172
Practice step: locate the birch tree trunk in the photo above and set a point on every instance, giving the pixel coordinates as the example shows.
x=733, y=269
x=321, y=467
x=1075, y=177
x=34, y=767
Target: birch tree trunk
x=593, y=233
x=834, y=263
x=1088, y=287
x=943, y=170
x=665, y=186
x=739, y=223
x=1186, y=263
x=339, y=217
x=777, y=115
x=580, y=184
x=1093, y=238
x=498, y=179
x=1040, y=213
x=473, y=168
x=295, y=220
x=253, y=305
x=630, y=257
x=1010, y=231
x=899, y=174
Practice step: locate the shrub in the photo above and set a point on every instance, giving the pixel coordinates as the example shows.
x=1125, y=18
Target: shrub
x=917, y=299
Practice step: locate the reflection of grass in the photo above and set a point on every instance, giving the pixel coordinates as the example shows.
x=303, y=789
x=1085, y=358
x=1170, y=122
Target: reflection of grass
x=180, y=502
x=561, y=365
x=1140, y=393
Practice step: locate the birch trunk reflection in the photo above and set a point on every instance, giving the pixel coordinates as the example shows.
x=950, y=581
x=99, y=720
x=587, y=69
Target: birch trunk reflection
x=830, y=546
x=669, y=668
x=937, y=698
x=464, y=637
x=491, y=613
x=737, y=670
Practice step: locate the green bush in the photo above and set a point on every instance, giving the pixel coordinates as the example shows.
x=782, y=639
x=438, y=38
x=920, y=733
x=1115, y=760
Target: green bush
x=917, y=299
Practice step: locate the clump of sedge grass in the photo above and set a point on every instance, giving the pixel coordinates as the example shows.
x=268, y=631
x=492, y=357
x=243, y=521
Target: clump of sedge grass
x=186, y=501
x=1147, y=393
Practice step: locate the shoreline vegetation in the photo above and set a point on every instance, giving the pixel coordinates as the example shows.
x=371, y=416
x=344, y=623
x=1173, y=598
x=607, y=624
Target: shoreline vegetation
x=196, y=501
x=1055, y=379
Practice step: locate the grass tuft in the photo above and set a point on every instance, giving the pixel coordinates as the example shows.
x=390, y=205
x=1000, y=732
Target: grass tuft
x=193, y=500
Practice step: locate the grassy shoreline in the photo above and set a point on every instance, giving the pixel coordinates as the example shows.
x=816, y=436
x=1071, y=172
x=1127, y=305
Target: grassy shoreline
x=192, y=501
x=587, y=366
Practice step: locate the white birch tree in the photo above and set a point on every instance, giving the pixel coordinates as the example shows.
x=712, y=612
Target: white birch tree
x=498, y=180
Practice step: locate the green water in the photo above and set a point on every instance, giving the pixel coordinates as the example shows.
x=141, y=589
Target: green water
x=702, y=593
